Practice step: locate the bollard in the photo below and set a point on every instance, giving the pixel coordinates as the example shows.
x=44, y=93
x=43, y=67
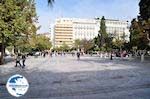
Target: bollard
x=142, y=58
x=130, y=57
x=101, y=55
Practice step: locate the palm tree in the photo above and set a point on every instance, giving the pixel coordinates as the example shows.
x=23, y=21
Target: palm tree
x=51, y=2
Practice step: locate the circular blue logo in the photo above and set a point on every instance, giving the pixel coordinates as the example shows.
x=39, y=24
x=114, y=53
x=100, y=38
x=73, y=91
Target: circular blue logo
x=17, y=85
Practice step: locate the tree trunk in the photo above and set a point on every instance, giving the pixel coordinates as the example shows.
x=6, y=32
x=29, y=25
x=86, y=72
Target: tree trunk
x=2, y=51
x=148, y=37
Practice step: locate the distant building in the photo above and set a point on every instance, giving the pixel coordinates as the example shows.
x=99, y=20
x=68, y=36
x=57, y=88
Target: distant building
x=52, y=35
x=67, y=30
x=63, y=30
x=84, y=29
x=117, y=28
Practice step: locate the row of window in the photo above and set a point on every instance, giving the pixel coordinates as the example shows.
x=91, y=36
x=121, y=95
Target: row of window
x=115, y=28
x=84, y=31
x=83, y=34
x=119, y=23
x=85, y=28
x=84, y=37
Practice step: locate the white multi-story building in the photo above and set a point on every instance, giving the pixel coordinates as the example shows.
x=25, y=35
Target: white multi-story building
x=63, y=30
x=84, y=29
x=67, y=30
x=117, y=28
x=52, y=34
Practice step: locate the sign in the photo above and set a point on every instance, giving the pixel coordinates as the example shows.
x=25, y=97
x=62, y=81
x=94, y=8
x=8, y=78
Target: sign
x=17, y=85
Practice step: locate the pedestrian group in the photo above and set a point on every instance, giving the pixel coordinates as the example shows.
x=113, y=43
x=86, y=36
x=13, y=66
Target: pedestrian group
x=20, y=59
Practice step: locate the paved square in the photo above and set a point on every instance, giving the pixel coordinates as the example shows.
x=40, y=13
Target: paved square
x=65, y=77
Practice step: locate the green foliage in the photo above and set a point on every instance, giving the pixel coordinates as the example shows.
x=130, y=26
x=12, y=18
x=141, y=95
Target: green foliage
x=86, y=45
x=118, y=43
x=64, y=47
x=140, y=28
x=103, y=40
x=77, y=43
x=103, y=27
x=137, y=37
x=144, y=9
x=97, y=41
x=42, y=43
x=102, y=33
x=50, y=2
x=16, y=21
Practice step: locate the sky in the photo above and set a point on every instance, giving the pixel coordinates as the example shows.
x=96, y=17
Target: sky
x=111, y=9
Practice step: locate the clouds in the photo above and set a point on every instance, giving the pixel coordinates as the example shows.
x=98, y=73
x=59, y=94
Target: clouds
x=115, y=9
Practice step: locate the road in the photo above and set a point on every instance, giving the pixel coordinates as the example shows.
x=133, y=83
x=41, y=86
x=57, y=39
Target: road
x=65, y=77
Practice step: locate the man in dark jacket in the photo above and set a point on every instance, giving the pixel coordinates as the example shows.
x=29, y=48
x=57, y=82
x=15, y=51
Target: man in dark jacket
x=23, y=60
x=18, y=60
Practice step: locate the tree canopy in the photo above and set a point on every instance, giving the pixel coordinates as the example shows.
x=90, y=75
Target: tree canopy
x=140, y=27
x=144, y=9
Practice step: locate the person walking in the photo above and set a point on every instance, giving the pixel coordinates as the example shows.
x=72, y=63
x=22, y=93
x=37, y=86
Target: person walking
x=72, y=53
x=18, y=60
x=44, y=54
x=23, y=60
x=78, y=55
x=51, y=54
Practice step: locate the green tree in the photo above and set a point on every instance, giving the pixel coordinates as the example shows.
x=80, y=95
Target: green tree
x=51, y=2
x=77, y=44
x=123, y=37
x=137, y=37
x=97, y=40
x=42, y=43
x=118, y=43
x=84, y=44
x=16, y=22
x=87, y=45
x=103, y=34
x=144, y=17
x=103, y=40
x=109, y=42
x=64, y=47
x=144, y=9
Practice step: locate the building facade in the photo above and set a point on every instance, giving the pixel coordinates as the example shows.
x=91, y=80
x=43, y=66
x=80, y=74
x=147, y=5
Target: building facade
x=63, y=31
x=84, y=29
x=67, y=30
x=117, y=28
x=52, y=35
